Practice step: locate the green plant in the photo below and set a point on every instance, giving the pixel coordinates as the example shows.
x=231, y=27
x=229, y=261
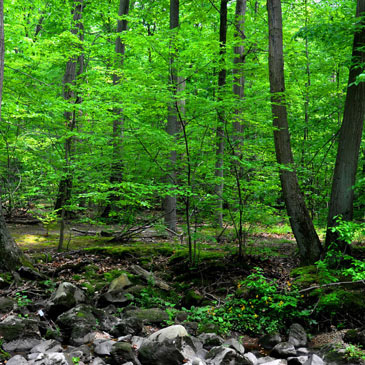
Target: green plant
x=257, y=306
x=76, y=360
x=3, y=354
x=22, y=299
x=353, y=352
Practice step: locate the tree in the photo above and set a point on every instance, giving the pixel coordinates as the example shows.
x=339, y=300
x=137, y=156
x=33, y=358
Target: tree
x=117, y=141
x=11, y=255
x=74, y=68
x=307, y=239
x=169, y=203
x=342, y=193
x=221, y=113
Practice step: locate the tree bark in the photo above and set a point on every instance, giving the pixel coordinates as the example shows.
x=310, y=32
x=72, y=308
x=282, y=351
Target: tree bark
x=342, y=193
x=307, y=239
x=118, y=123
x=169, y=203
x=10, y=254
x=221, y=114
x=74, y=68
x=239, y=60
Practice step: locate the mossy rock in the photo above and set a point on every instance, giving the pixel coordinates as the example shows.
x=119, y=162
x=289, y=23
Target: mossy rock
x=154, y=316
x=305, y=275
x=191, y=298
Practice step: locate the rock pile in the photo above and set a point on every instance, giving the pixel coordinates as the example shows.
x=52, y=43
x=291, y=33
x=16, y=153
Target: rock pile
x=66, y=330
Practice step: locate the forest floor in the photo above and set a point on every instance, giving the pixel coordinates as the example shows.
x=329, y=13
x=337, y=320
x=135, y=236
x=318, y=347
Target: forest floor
x=216, y=274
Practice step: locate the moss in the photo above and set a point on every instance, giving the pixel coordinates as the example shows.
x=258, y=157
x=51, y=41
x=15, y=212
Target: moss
x=305, y=275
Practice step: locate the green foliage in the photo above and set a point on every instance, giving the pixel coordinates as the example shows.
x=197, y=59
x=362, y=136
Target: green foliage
x=354, y=353
x=258, y=306
x=22, y=299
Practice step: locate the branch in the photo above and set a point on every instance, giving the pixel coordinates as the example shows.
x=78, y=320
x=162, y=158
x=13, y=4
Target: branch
x=332, y=284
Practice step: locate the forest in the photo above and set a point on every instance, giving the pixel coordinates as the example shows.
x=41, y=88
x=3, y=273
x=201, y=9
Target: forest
x=207, y=155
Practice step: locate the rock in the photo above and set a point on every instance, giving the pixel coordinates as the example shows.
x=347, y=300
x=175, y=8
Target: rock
x=249, y=359
x=300, y=360
x=6, y=305
x=13, y=327
x=126, y=326
x=21, y=345
x=168, y=333
x=302, y=351
x=30, y=274
x=155, y=316
x=64, y=298
x=283, y=350
x=77, y=323
x=98, y=361
x=235, y=345
x=221, y=355
x=122, y=352
x=119, y=284
x=355, y=336
x=103, y=348
x=107, y=322
x=210, y=340
x=266, y=359
x=119, y=299
x=53, y=358
x=191, y=298
x=17, y=360
x=269, y=341
x=47, y=346
x=297, y=335
x=314, y=360
x=155, y=353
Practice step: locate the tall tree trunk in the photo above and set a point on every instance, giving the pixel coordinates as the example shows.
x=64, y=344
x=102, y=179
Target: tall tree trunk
x=10, y=254
x=221, y=113
x=118, y=123
x=74, y=68
x=236, y=144
x=342, y=194
x=169, y=203
x=239, y=60
x=307, y=239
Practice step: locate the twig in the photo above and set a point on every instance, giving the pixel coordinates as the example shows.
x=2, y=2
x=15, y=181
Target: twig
x=332, y=284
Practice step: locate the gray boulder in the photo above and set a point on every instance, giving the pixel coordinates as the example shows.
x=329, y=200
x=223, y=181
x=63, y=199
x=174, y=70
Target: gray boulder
x=123, y=352
x=268, y=341
x=297, y=335
x=119, y=284
x=249, y=359
x=235, y=345
x=21, y=345
x=126, y=326
x=53, y=358
x=283, y=350
x=17, y=360
x=155, y=353
x=221, y=355
x=210, y=340
x=314, y=360
x=13, y=327
x=45, y=346
x=77, y=323
x=64, y=298
x=154, y=316
x=168, y=333
x=300, y=360
x=103, y=348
